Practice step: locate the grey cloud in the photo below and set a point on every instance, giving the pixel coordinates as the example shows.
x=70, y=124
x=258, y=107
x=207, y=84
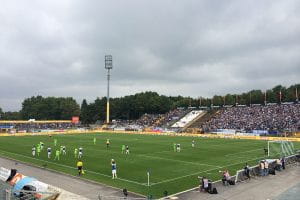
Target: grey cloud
x=193, y=48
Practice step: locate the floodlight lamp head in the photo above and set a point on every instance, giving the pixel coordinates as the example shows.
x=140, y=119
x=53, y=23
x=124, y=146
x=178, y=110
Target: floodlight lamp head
x=108, y=62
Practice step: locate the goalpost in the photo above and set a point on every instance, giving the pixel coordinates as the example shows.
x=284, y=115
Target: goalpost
x=281, y=147
x=276, y=149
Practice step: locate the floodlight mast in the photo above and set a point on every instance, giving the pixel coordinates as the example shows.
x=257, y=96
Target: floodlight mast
x=108, y=66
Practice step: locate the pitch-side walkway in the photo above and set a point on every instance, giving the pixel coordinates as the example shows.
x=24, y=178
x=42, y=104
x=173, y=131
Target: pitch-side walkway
x=283, y=186
x=83, y=189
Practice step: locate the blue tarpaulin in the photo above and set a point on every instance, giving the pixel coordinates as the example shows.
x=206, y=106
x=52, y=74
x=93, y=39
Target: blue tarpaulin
x=20, y=184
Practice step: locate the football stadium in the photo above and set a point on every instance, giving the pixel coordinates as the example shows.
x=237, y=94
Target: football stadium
x=149, y=99
x=159, y=155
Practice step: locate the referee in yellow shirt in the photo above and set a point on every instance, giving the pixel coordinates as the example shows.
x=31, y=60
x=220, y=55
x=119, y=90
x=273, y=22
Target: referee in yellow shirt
x=79, y=167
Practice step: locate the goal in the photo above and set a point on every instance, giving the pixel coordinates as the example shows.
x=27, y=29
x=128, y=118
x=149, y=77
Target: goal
x=280, y=148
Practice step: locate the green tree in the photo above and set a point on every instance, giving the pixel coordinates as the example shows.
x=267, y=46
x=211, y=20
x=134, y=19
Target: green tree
x=257, y=97
x=229, y=99
x=1, y=113
x=218, y=100
x=84, y=112
x=50, y=108
x=11, y=116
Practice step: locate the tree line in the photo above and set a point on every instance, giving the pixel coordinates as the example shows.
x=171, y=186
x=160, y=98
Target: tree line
x=134, y=106
x=44, y=108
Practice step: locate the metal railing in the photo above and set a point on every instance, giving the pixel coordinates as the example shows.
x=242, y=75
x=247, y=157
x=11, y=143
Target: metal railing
x=254, y=170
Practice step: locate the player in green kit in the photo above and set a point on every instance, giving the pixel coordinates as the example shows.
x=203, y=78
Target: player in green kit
x=42, y=146
x=57, y=153
x=94, y=140
x=123, y=149
x=75, y=152
x=55, y=142
x=38, y=149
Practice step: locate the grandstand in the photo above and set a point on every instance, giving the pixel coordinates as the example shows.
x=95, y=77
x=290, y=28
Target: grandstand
x=269, y=119
x=23, y=126
x=272, y=119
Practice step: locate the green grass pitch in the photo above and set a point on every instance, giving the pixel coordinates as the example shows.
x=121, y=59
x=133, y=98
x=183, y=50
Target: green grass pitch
x=169, y=171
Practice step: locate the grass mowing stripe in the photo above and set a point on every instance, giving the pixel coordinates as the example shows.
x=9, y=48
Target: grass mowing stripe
x=187, y=162
x=230, y=154
x=173, y=179
x=156, y=157
x=67, y=166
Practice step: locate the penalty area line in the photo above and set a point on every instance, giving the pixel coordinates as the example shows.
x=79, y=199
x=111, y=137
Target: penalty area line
x=173, y=179
x=230, y=154
x=67, y=166
x=174, y=160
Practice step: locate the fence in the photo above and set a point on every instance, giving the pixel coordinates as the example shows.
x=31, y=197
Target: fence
x=254, y=170
x=4, y=188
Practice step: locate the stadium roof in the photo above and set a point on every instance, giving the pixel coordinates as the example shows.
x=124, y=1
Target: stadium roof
x=36, y=122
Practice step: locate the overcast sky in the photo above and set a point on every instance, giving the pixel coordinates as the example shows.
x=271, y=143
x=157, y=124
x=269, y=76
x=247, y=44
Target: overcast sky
x=174, y=47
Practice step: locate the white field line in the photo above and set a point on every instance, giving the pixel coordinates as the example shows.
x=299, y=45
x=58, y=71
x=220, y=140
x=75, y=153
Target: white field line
x=159, y=152
x=238, y=158
x=174, y=160
x=161, y=158
x=168, y=180
x=173, y=179
x=230, y=154
x=188, y=190
x=62, y=165
x=228, y=143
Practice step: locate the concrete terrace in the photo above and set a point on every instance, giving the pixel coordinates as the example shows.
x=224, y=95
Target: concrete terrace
x=284, y=185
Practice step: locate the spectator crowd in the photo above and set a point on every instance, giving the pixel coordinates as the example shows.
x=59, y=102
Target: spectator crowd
x=271, y=117
x=153, y=120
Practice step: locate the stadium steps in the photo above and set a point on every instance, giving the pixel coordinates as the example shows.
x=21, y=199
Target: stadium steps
x=169, y=124
x=196, y=125
x=188, y=125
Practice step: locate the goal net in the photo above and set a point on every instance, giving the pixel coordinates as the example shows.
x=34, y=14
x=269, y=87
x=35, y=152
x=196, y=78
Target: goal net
x=280, y=148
